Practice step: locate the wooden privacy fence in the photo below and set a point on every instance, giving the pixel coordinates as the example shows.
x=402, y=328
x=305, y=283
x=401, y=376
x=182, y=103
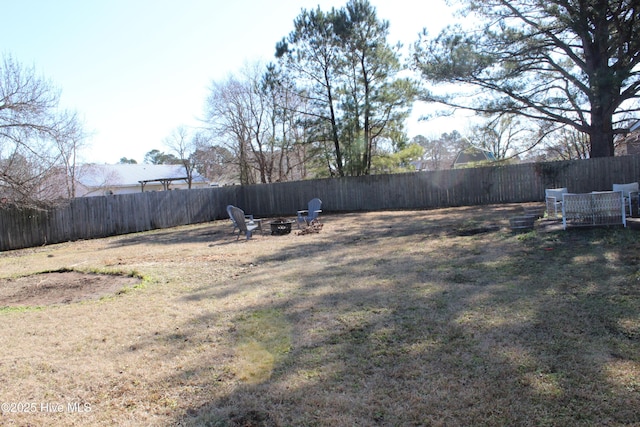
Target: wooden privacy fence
x=93, y=217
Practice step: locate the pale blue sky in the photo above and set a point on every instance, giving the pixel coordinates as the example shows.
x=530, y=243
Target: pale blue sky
x=135, y=70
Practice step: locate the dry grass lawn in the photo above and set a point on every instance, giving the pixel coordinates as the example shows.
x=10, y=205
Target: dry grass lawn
x=429, y=318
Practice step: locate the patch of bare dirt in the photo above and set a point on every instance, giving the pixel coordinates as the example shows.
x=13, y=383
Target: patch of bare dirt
x=60, y=288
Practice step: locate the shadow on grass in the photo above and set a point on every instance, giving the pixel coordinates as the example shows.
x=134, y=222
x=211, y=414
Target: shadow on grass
x=398, y=323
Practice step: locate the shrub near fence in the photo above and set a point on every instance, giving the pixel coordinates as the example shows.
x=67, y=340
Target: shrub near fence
x=94, y=217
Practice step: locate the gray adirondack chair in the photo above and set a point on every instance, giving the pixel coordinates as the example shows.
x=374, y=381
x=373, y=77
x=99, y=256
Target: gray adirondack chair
x=247, y=218
x=241, y=222
x=305, y=216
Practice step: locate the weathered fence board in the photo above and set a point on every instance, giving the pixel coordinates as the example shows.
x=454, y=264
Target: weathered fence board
x=93, y=217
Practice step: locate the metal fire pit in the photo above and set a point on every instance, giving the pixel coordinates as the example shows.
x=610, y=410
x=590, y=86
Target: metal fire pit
x=280, y=227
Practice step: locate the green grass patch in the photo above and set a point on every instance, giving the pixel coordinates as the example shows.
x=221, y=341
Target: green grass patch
x=262, y=338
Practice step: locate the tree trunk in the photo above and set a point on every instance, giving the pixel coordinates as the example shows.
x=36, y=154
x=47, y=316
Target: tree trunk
x=605, y=87
x=601, y=144
x=336, y=140
x=601, y=133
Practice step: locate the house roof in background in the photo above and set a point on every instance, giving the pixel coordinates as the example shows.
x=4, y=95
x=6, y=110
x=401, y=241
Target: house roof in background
x=93, y=175
x=474, y=154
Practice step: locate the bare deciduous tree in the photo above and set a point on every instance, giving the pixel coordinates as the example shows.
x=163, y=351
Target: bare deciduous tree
x=439, y=153
x=183, y=146
x=229, y=121
x=38, y=142
x=256, y=117
x=509, y=136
